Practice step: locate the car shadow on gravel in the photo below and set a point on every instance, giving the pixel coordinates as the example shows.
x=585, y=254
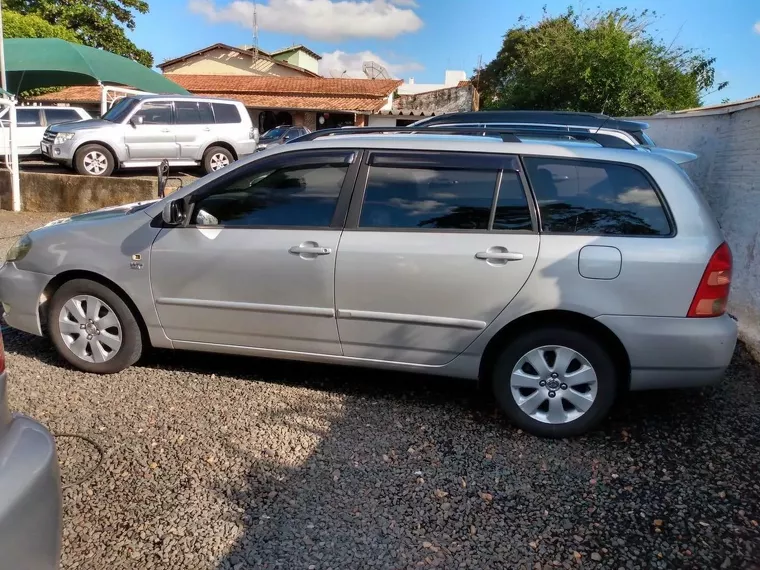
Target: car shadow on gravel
x=419, y=471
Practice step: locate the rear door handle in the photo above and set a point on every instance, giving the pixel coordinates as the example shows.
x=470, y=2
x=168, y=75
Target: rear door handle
x=500, y=255
x=166, y=130
x=310, y=250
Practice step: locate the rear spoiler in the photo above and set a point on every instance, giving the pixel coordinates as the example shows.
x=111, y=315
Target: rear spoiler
x=677, y=156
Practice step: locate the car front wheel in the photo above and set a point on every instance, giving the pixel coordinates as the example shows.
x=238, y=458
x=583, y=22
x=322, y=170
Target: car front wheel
x=555, y=382
x=94, y=160
x=93, y=328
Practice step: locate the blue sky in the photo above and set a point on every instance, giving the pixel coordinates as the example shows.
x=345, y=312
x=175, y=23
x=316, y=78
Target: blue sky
x=423, y=38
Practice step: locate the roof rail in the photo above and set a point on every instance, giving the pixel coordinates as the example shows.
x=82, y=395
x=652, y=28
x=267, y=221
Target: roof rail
x=507, y=134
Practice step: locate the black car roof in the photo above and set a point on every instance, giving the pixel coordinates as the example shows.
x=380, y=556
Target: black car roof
x=539, y=117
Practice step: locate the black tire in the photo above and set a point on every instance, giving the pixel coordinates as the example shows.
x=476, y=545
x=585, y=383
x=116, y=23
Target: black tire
x=585, y=345
x=131, y=338
x=209, y=165
x=83, y=161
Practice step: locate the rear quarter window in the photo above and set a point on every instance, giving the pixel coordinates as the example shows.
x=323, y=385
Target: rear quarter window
x=597, y=198
x=226, y=113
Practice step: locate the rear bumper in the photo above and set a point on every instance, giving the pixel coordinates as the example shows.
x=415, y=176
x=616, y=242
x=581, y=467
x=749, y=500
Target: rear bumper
x=675, y=352
x=20, y=293
x=30, y=501
x=244, y=148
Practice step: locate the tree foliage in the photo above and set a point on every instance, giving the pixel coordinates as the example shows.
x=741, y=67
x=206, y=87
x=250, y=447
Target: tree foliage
x=601, y=62
x=96, y=23
x=17, y=25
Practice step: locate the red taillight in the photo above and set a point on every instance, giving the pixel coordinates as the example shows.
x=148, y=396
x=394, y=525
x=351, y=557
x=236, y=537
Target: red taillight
x=712, y=294
x=2, y=354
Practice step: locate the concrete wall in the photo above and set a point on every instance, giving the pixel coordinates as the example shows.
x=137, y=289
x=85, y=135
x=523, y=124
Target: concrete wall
x=299, y=58
x=727, y=141
x=224, y=62
x=42, y=192
x=382, y=120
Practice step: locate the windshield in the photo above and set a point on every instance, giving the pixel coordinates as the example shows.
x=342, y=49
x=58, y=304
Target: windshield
x=275, y=133
x=120, y=110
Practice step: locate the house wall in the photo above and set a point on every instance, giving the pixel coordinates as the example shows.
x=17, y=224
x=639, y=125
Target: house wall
x=301, y=59
x=728, y=174
x=223, y=62
x=382, y=121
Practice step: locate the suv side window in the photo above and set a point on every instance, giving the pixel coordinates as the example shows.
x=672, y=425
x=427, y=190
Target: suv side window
x=300, y=193
x=155, y=113
x=226, y=113
x=588, y=197
x=28, y=117
x=55, y=116
x=398, y=196
x=191, y=113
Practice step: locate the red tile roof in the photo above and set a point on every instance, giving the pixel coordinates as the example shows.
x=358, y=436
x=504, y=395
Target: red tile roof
x=286, y=85
x=317, y=94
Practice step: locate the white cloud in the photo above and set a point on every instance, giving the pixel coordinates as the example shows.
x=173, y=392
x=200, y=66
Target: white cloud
x=410, y=3
x=325, y=20
x=335, y=63
x=756, y=27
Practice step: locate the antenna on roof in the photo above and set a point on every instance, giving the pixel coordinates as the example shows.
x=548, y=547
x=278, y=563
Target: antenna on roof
x=374, y=70
x=255, y=48
x=338, y=73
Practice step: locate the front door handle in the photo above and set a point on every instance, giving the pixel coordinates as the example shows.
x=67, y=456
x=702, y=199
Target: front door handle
x=310, y=250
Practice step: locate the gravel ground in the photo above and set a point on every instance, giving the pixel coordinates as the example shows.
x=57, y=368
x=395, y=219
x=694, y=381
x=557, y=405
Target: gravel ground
x=215, y=462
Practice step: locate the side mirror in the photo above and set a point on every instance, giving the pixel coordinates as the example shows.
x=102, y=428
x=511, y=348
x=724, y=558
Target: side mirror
x=174, y=213
x=137, y=120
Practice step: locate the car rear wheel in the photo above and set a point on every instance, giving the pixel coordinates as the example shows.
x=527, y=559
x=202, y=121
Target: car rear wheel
x=555, y=382
x=94, y=160
x=216, y=158
x=93, y=328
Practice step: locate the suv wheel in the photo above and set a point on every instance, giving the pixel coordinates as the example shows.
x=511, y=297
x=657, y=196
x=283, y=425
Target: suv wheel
x=92, y=328
x=216, y=158
x=94, y=160
x=555, y=382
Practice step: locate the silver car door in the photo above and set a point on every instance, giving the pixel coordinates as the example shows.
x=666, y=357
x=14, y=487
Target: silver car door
x=149, y=134
x=434, y=249
x=254, y=266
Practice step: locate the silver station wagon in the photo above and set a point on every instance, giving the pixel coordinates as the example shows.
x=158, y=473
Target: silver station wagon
x=554, y=275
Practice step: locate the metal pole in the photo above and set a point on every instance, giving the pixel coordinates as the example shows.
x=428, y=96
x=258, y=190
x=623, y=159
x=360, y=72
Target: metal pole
x=15, y=177
x=3, y=83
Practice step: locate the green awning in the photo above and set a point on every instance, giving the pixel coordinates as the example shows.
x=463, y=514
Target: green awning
x=31, y=63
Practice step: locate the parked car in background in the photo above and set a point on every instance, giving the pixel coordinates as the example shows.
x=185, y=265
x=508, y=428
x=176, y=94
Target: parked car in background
x=31, y=123
x=526, y=267
x=545, y=123
x=142, y=130
x=30, y=490
x=280, y=135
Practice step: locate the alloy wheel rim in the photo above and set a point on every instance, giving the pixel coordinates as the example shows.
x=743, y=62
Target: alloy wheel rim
x=95, y=162
x=90, y=329
x=219, y=160
x=554, y=384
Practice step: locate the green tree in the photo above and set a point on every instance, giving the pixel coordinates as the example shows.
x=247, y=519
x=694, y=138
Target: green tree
x=97, y=23
x=17, y=25
x=602, y=62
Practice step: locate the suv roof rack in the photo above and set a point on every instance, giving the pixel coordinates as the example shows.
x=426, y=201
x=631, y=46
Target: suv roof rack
x=569, y=118
x=507, y=134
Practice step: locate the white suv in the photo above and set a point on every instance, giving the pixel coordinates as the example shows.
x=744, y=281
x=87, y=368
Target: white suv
x=32, y=122
x=143, y=130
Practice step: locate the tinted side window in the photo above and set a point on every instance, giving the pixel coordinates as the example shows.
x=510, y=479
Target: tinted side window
x=512, y=211
x=293, y=196
x=207, y=115
x=55, y=116
x=585, y=197
x=158, y=113
x=189, y=113
x=428, y=198
x=226, y=113
x=28, y=117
